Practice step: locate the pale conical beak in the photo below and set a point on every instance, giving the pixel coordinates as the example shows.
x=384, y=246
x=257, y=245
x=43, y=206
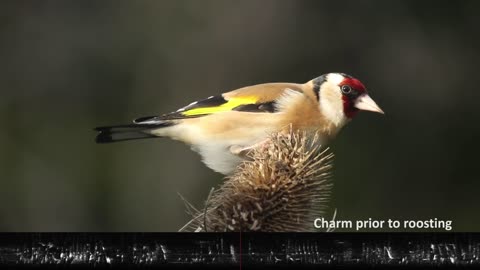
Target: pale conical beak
x=366, y=103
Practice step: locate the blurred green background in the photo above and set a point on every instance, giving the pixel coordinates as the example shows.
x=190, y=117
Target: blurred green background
x=68, y=66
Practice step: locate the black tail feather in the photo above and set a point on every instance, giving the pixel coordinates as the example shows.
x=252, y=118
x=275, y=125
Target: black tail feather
x=109, y=134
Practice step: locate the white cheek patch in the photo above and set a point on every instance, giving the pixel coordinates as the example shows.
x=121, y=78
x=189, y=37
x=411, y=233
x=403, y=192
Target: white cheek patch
x=331, y=104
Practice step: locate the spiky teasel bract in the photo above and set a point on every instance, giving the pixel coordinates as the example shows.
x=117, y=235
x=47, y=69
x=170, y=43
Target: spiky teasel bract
x=284, y=186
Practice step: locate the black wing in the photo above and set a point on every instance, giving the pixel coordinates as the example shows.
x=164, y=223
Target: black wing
x=210, y=102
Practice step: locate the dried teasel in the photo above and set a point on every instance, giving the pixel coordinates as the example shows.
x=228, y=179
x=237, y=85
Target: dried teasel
x=284, y=186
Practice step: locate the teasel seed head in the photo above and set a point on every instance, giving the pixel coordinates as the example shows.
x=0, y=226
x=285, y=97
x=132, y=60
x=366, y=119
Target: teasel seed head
x=283, y=187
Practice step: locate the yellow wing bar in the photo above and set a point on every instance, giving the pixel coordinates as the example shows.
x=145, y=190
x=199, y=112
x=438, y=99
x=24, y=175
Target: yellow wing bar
x=228, y=106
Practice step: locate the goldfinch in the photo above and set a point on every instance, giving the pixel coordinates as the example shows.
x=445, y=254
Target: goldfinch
x=220, y=128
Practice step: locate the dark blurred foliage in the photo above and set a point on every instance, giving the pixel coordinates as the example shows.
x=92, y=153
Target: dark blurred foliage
x=68, y=66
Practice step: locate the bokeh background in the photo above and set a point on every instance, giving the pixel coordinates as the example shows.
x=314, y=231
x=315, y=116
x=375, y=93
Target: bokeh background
x=68, y=66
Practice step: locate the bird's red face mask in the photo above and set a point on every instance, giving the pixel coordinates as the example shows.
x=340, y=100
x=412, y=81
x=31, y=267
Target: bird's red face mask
x=355, y=98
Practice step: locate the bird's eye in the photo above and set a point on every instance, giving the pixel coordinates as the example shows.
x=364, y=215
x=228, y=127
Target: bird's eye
x=346, y=89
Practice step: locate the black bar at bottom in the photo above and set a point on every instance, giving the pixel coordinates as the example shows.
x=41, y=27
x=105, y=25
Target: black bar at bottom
x=247, y=249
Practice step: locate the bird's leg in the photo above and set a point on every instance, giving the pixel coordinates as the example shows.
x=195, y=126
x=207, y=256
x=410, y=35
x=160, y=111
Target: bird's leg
x=242, y=151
